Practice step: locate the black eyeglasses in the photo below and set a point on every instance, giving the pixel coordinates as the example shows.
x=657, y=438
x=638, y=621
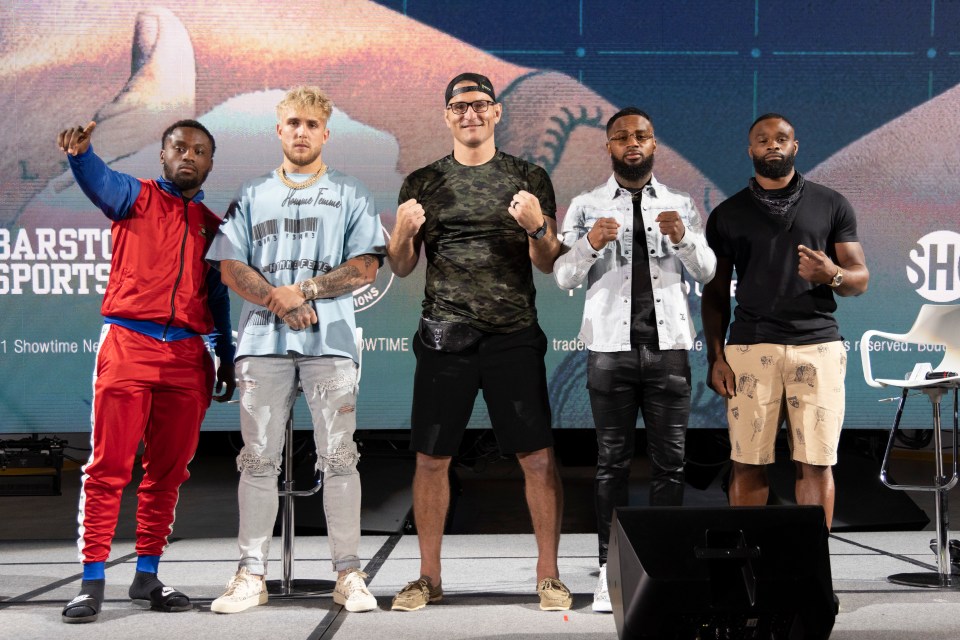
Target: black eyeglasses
x=478, y=106
x=621, y=138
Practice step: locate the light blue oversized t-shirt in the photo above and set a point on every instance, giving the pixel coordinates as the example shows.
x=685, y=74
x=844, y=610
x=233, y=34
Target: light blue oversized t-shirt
x=291, y=235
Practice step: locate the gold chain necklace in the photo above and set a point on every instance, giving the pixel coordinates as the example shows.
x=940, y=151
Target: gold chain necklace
x=309, y=182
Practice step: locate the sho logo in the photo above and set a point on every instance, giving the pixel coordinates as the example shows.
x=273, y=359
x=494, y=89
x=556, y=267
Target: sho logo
x=366, y=297
x=934, y=267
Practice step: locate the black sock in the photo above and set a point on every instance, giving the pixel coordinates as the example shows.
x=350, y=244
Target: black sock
x=92, y=588
x=147, y=586
x=143, y=584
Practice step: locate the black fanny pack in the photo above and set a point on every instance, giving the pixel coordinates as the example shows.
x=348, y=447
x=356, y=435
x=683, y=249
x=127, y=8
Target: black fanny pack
x=443, y=335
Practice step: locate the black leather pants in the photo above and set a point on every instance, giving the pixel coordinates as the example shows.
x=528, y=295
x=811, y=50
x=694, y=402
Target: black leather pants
x=656, y=385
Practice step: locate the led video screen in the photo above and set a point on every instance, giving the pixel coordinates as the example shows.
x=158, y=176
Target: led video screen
x=871, y=86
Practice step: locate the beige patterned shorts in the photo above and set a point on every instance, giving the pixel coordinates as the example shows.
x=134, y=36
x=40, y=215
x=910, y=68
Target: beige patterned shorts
x=802, y=383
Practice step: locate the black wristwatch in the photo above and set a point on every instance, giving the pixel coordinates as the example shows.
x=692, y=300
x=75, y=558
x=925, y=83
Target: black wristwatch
x=539, y=233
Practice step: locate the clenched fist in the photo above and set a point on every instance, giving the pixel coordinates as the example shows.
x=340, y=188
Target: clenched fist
x=604, y=230
x=410, y=217
x=525, y=209
x=671, y=226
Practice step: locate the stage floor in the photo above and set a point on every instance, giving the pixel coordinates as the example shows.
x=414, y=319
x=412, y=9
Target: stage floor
x=489, y=567
x=488, y=581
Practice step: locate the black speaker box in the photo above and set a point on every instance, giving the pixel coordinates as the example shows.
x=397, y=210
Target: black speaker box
x=683, y=573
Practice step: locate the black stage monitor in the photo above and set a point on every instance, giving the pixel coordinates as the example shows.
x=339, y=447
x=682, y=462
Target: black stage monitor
x=683, y=573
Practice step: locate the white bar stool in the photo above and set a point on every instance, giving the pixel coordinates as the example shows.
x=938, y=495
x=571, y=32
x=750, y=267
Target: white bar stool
x=935, y=325
x=287, y=587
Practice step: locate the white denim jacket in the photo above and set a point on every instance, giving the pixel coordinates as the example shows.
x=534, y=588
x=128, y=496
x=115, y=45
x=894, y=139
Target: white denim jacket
x=606, y=312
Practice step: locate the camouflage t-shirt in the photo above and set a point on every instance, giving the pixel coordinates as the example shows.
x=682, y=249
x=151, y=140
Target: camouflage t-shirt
x=478, y=257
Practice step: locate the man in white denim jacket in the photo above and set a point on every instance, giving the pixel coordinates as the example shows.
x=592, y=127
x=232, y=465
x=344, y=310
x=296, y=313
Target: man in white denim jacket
x=631, y=239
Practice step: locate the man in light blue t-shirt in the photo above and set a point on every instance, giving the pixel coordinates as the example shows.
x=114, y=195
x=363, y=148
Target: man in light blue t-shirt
x=294, y=245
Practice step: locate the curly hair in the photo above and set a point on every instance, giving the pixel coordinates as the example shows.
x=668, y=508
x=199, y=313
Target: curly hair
x=309, y=98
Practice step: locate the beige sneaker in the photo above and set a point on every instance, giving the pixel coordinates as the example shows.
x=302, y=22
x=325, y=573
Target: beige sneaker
x=351, y=592
x=416, y=595
x=554, y=595
x=244, y=590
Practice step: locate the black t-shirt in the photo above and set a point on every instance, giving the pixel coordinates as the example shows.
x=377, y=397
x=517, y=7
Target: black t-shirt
x=478, y=257
x=643, y=315
x=774, y=304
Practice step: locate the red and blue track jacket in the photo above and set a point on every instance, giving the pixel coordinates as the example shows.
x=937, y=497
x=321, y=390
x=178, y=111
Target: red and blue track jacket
x=160, y=285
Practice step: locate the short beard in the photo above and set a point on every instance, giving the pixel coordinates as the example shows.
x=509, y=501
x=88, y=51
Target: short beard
x=632, y=172
x=774, y=169
x=185, y=184
x=305, y=162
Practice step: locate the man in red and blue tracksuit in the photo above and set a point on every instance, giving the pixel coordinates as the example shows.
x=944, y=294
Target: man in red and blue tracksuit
x=154, y=377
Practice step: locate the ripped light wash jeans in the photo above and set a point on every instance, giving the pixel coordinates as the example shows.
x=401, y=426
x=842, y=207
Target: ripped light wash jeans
x=268, y=390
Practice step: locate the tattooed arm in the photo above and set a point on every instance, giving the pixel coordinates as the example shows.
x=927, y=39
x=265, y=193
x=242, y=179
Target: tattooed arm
x=245, y=281
x=349, y=276
x=250, y=285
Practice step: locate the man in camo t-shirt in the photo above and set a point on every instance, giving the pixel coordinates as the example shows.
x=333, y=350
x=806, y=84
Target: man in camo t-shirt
x=483, y=216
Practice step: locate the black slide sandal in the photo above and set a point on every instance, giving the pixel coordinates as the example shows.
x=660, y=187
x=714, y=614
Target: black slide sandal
x=76, y=611
x=169, y=600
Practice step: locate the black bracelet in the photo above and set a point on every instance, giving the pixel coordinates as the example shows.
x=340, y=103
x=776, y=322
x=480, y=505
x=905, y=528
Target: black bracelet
x=539, y=233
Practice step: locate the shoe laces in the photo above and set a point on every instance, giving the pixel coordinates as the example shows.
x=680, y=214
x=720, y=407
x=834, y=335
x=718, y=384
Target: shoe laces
x=242, y=581
x=353, y=581
x=552, y=584
x=421, y=584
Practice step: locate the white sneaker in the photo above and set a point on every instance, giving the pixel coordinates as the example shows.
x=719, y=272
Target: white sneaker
x=352, y=593
x=601, y=597
x=244, y=590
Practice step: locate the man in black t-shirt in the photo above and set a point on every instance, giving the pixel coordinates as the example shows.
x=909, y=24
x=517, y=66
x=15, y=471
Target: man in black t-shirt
x=482, y=217
x=794, y=244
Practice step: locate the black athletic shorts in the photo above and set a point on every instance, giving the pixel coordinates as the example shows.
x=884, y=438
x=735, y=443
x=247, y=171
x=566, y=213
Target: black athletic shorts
x=510, y=370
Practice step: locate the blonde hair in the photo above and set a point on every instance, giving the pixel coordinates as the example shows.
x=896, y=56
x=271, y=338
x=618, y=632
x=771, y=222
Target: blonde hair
x=308, y=98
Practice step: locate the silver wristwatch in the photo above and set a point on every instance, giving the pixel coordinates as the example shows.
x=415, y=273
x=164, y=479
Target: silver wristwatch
x=309, y=289
x=837, y=279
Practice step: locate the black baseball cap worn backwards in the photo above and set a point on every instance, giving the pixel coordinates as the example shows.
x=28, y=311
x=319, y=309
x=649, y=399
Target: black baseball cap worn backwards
x=482, y=84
